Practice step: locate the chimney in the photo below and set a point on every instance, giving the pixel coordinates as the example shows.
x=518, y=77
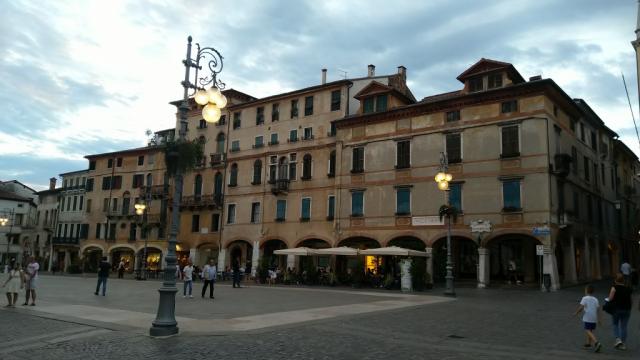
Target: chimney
x=52, y=183
x=402, y=71
x=324, y=76
x=371, y=70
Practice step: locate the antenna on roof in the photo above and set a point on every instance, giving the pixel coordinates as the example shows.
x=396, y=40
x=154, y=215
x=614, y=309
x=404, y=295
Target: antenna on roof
x=343, y=73
x=630, y=107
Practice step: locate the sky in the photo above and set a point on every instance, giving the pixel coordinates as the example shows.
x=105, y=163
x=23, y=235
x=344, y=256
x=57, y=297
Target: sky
x=86, y=77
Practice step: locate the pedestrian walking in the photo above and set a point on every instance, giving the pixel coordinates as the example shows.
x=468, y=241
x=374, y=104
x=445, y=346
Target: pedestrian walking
x=590, y=307
x=15, y=280
x=30, y=280
x=236, y=273
x=121, y=269
x=209, y=273
x=625, y=269
x=620, y=299
x=103, y=274
x=187, y=276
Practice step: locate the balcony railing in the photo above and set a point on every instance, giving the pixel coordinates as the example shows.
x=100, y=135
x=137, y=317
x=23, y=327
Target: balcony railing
x=280, y=186
x=155, y=191
x=217, y=160
x=66, y=240
x=202, y=201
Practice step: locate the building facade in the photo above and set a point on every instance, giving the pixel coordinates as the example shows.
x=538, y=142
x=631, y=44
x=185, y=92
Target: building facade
x=18, y=204
x=46, y=220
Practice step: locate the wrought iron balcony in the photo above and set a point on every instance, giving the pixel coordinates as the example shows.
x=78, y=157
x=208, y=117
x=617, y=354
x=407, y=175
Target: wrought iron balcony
x=217, y=160
x=199, y=201
x=66, y=240
x=156, y=191
x=280, y=186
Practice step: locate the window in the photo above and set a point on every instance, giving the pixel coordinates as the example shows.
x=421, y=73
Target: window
x=357, y=164
x=260, y=115
x=273, y=169
x=582, y=132
x=235, y=145
x=106, y=183
x=98, y=230
x=258, y=142
x=510, y=141
x=293, y=135
x=357, y=203
x=335, y=100
x=274, y=139
x=231, y=214
x=574, y=160
x=306, y=167
x=381, y=102
x=332, y=164
x=114, y=203
x=476, y=84
x=202, y=124
x=69, y=203
x=105, y=204
x=89, y=185
x=109, y=164
x=217, y=184
x=403, y=154
x=222, y=121
x=331, y=207
x=233, y=175
x=602, y=175
x=257, y=172
x=594, y=142
x=308, y=106
x=215, y=222
x=586, y=169
x=454, y=147
x=81, y=203
x=333, y=130
x=308, y=133
x=197, y=186
x=589, y=209
x=236, y=120
x=305, y=209
x=281, y=210
x=149, y=179
x=88, y=205
x=195, y=223
x=453, y=115
x=92, y=165
x=132, y=231
x=119, y=162
x=62, y=204
x=275, y=112
x=138, y=181
x=455, y=195
x=509, y=106
x=294, y=108
x=572, y=124
x=511, y=195
x=595, y=174
x=140, y=160
x=403, y=201
x=220, y=143
x=495, y=81
x=292, y=166
x=255, y=212
x=367, y=106
x=75, y=203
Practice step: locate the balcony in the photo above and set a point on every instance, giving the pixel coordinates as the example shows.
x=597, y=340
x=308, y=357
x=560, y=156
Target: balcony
x=280, y=186
x=200, y=201
x=562, y=164
x=156, y=191
x=66, y=241
x=217, y=160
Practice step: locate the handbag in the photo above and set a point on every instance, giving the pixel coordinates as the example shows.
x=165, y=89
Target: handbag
x=608, y=307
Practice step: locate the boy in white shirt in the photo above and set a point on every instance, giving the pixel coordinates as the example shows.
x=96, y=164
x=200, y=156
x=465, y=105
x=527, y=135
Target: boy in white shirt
x=592, y=315
x=187, y=276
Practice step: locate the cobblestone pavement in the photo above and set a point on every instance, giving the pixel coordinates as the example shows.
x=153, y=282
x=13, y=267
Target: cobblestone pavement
x=480, y=324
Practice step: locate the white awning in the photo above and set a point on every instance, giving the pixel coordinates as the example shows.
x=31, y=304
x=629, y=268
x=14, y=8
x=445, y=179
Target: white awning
x=343, y=250
x=300, y=251
x=394, y=251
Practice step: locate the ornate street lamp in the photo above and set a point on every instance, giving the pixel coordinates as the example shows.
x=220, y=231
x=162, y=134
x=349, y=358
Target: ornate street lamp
x=141, y=217
x=442, y=179
x=165, y=323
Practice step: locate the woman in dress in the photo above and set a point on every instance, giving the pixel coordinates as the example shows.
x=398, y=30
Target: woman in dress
x=15, y=282
x=620, y=298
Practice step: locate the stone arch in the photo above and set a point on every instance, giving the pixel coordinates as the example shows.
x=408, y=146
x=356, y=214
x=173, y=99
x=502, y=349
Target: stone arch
x=117, y=246
x=454, y=233
x=87, y=246
x=360, y=242
x=125, y=253
x=514, y=245
x=464, y=253
x=314, y=242
x=408, y=242
x=410, y=234
x=268, y=247
x=240, y=250
x=91, y=256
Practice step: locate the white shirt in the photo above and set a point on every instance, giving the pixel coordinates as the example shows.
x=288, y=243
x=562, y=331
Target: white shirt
x=188, y=273
x=625, y=269
x=32, y=270
x=591, y=306
x=209, y=272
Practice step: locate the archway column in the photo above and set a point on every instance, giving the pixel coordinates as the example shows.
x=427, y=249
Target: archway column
x=430, y=263
x=67, y=259
x=550, y=266
x=483, y=267
x=255, y=257
x=598, y=269
x=193, y=253
x=291, y=261
x=586, y=261
x=570, y=274
x=221, y=259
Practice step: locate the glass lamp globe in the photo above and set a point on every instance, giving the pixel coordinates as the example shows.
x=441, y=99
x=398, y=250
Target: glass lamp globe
x=211, y=113
x=139, y=211
x=448, y=177
x=440, y=177
x=214, y=94
x=221, y=102
x=201, y=97
x=443, y=185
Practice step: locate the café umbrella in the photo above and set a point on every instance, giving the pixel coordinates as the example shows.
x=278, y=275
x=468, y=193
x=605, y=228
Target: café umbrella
x=393, y=251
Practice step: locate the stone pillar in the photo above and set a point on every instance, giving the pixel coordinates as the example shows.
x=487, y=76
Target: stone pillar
x=192, y=255
x=406, y=284
x=255, y=257
x=50, y=258
x=430, y=264
x=598, y=269
x=570, y=274
x=67, y=260
x=483, y=267
x=586, y=259
x=550, y=266
x=291, y=261
x=137, y=266
x=221, y=259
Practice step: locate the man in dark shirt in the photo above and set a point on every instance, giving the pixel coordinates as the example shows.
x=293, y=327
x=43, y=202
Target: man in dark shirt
x=103, y=274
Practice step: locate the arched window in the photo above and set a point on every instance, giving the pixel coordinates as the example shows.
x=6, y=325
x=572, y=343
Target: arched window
x=126, y=201
x=306, y=167
x=233, y=175
x=217, y=184
x=197, y=186
x=283, y=168
x=149, y=179
x=220, y=143
x=332, y=164
x=257, y=172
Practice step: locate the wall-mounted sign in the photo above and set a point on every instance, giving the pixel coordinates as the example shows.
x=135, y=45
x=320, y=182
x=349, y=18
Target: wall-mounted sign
x=427, y=221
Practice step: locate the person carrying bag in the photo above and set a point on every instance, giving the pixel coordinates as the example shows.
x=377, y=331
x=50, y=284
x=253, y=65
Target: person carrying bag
x=619, y=306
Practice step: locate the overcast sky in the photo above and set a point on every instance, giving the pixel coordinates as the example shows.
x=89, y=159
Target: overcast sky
x=85, y=77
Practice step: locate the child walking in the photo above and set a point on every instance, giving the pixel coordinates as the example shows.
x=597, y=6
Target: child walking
x=592, y=315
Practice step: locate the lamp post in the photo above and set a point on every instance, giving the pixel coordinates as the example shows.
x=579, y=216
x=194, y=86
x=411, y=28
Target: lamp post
x=165, y=323
x=141, y=215
x=442, y=179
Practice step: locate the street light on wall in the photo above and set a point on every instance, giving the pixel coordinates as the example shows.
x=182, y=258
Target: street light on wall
x=206, y=91
x=442, y=179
